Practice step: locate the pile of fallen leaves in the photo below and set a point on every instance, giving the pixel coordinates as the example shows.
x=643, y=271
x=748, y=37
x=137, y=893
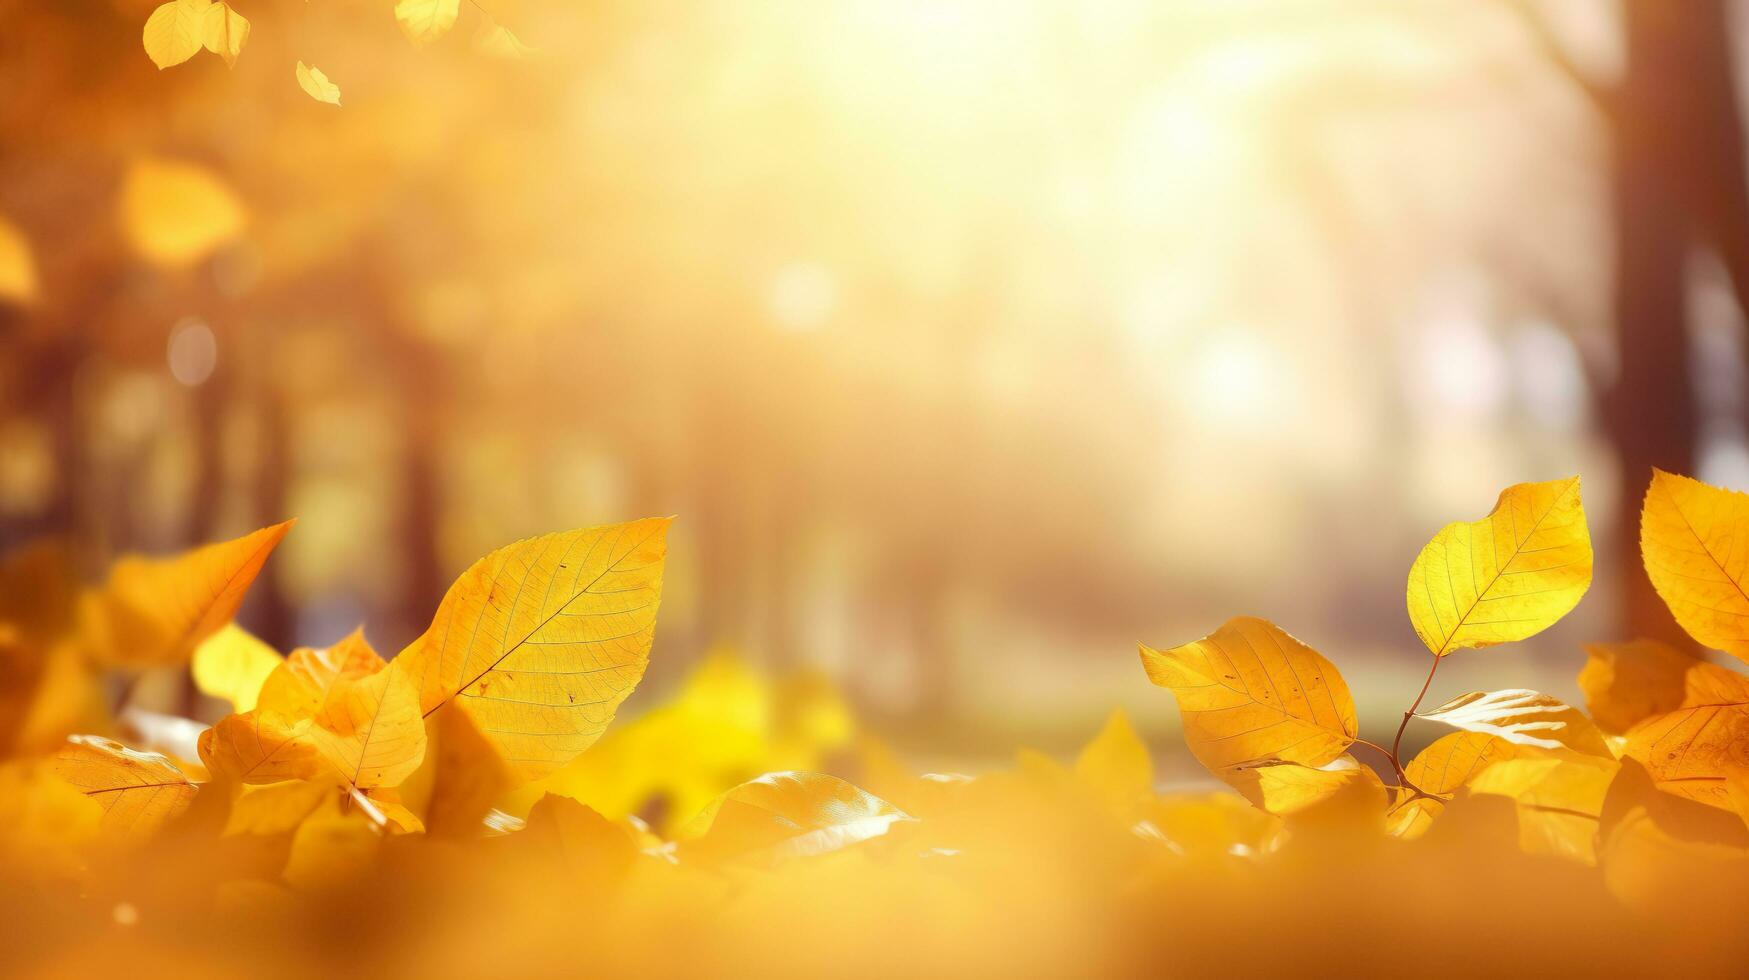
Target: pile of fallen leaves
x=456, y=810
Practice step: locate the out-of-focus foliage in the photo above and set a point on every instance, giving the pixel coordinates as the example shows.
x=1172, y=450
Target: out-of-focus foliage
x=350, y=789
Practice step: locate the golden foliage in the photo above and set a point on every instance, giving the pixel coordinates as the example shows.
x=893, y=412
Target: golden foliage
x=539, y=642
x=316, y=85
x=176, y=31
x=137, y=791
x=1688, y=536
x=225, y=32
x=1506, y=577
x=1522, y=717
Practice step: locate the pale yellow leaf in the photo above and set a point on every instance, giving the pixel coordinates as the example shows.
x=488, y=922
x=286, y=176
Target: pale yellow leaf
x=155, y=612
x=1251, y=693
x=224, y=32
x=138, y=791
x=175, y=214
x=1627, y=683
x=1506, y=577
x=786, y=815
x=540, y=641
x=1442, y=769
x=316, y=85
x=175, y=32
x=1691, y=537
x=497, y=40
x=232, y=664
x=18, y=281
x=1523, y=717
x=424, y=21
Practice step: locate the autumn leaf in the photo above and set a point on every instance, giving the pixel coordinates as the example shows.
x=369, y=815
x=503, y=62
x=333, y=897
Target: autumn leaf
x=154, y=612
x=1627, y=683
x=232, y=664
x=424, y=21
x=225, y=32
x=176, y=31
x=175, y=214
x=370, y=728
x=497, y=41
x=1693, y=751
x=1689, y=539
x=1559, y=801
x=1442, y=769
x=298, y=686
x=316, y=85
x=1251, y=693
x=1523, y=717
x=1286, y=788
x=1116, y=763
x=540, y=641
x=1506, y=577
x=18, y=280
x=262, y=746
x=138, y=791
x=277, y=808
x=785, y=815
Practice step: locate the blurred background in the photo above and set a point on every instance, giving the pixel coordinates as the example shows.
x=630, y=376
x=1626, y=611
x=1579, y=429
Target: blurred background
x=971, y=342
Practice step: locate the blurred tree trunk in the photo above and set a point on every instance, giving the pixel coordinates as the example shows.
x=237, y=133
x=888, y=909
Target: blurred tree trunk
x=1679, y=182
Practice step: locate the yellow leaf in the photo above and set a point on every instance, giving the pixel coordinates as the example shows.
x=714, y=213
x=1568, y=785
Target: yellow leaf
x=334, y=846
x=424, y=21
x=276, y=808
x=176, y=214
x=1442, y=769
x=17, y=266
x=497, y=40
x=154, y=612
x=1627, y=683
x=316, y=85
x=540, y=641
x=299, y=685
x=232, y=664
x=224, y=32
x=262, y=746
x=1694, y=751
x=1251, y=693
x=1689, y=536
x=370, y=728
x=138, y=791
x=1116, y=763
x=1523, y=717
x=175, y=31
x=1286, y=788
x=1559, y=801
x=786, y=815
x=1506, y=577
x=467, y=776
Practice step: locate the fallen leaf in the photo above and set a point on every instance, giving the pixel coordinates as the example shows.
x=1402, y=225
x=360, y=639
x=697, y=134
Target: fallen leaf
x=539, y=642
x=1506, y=577
x=138, y=791
x=1251, y=693
x=1689, y=534
x=154, y=612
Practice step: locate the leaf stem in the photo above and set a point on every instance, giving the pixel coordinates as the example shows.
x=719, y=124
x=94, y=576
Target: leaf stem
x=1397, y=743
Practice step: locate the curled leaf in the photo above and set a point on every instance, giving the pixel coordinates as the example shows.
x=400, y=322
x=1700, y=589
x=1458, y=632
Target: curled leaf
x=1507, y=576
x=1250, y=693
x=154, y=612
x=316, y=85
